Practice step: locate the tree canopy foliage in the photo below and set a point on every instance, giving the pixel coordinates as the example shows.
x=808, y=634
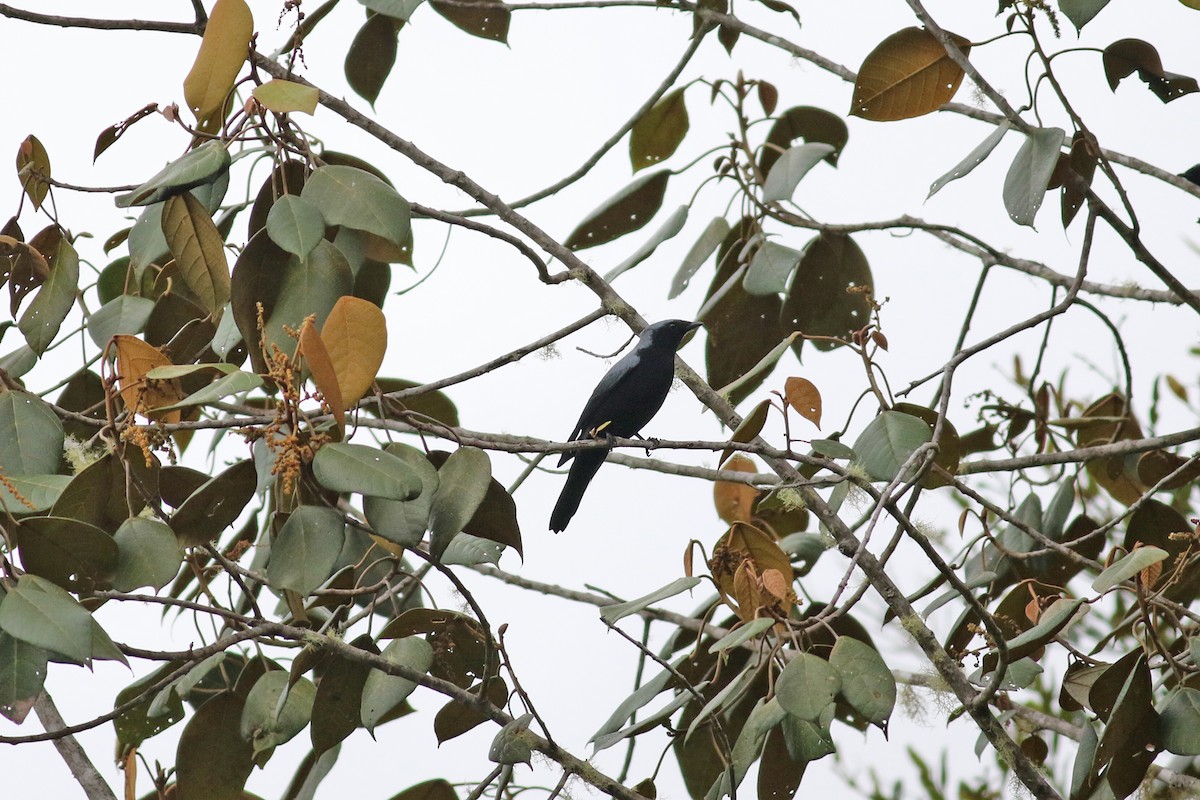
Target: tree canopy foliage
x=195, y=414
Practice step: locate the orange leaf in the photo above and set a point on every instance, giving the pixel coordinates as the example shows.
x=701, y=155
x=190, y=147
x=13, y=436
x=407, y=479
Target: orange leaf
x=805, y=398
x=907, y=74
x=222, y=53
x=134, y=359
x=355, y=334
x=734, y=500
x=316, y=356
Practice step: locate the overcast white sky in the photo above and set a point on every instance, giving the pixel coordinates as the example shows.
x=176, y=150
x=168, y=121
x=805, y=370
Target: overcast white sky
x=517, y=118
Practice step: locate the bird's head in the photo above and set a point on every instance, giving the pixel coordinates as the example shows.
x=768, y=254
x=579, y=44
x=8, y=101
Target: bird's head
x=667, y=333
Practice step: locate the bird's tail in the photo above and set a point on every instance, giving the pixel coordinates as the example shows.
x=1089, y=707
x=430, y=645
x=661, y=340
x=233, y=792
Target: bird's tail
x=583, y=469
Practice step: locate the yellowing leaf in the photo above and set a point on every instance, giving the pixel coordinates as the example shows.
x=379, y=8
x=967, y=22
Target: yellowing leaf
x=355, y=334
x=134, y=359
x=33, y=169
x=907, y=74
x=222, y=52
x=734, y=500
x=805, y=398
x=323, y=373
x=198, y=249
x=284, y=97
x=659, y=131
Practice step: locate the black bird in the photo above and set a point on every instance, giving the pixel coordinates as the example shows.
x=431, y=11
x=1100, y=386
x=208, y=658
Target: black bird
x=622, y=403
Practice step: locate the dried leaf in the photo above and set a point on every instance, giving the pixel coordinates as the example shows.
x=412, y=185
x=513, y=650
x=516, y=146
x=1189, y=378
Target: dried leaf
x=907, y=74
x=804, y=398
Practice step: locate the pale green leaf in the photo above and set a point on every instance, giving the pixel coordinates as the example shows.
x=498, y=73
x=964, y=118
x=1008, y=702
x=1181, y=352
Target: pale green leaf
x=382, y=692
x=462, y=484
x=1029, y=174
x=612, y=613
x=147, y=554
x=306, y=549
x=343, y=467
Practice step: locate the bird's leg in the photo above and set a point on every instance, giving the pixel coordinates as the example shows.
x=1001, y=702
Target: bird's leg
x=651, y=442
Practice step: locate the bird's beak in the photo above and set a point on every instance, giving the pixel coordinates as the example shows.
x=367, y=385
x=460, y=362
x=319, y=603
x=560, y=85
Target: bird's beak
x=691, y=331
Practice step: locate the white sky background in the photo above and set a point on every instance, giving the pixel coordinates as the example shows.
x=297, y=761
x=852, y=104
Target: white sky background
x=518, y=118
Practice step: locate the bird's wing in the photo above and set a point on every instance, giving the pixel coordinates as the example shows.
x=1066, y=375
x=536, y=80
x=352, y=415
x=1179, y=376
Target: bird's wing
x=605, y=398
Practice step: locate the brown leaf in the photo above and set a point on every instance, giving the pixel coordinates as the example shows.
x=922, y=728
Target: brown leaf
x=222, y=53
x=804, y=398
x=355, y=337
x=134, y=359
x=324, y=375
x=734, y=501
x=33, y=168
x=907, y=74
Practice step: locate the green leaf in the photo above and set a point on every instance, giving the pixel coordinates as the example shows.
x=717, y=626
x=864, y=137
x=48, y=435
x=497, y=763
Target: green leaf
x=640, y=697
x=198, y=250
x=147, y=555
x=659, y=132
x=471, y=551
x=770, y=268
x=44, y=615
x=335, y=713
x=887, y=442
x=656, y=718
x=809, y=740
x=135, y=725
x=309, y=285
x=807, y=685
x=705, y=246
x=454, y=719
x=357, y=199
x=488, y=20
x=509, y=746
x=124, y=314
x=22, y=673
x=235, y=382
x=215, y=505
x=830, y=448
x=40, y=491
x=285, y=97
x=767, y=715
x=741, y=635
x=1127, y=566
x=625, y=212
x=371, y=55
x=304, y=552
x=342, y=467
x=382, y=692
x=670, y=228
x=829, y=295
x=1081, y=12
x=295, y=224
x=198, y=167
x=42, y=320
x=405, y=522
x=400, y=9
x=790, y=169
x=1053, y=621
x=267, y=725
x=809, y=123
x=73, y=554
x=867, y=684
x=617, y=611
x=19, y=361
x=212, y=759
x=973, y=159
x=1179, y=722
x=1029, y=174
x=462, y=485
x=755, y=374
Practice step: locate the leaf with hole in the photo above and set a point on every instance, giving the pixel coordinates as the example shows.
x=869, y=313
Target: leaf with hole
x=907, y=74
x=1029, y=174
x=223, y=50
x=790, y=169
x=659, y=132
x=625, y=212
